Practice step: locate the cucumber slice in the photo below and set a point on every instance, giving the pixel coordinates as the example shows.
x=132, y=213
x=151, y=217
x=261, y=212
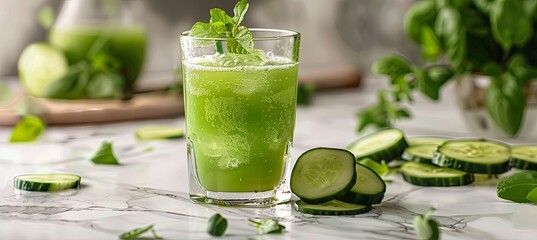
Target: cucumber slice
x=422, y=174
x=46, y=182
x=387, y=145
x=474, y=156
x=414, y=141
x=420, y=153
x=524, y=157
x=333, y=207
x=159, y=132
x=322, y=174
x=369, y=188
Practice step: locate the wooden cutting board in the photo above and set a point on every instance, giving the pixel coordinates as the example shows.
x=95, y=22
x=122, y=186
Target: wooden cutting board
x=65, y=112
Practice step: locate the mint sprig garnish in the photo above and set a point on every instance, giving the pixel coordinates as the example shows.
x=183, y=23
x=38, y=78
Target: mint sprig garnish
x=221, y=25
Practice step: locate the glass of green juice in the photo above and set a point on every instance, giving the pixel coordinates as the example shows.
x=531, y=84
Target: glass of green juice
x=240, y=117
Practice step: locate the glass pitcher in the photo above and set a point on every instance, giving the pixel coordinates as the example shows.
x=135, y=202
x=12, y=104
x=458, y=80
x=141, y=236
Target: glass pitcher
x=105, y=33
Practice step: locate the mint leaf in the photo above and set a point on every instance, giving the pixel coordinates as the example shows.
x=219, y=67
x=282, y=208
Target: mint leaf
x=135, y=233
x=506, y=101
x=532, y=196
x=27, y=130
x=267, y=226
x=222, y=23
x=217, y=225
x=426, y=226
x=105, y=155
x=510, y=25
x=45, y=16
x=517, y=186
x=203, y=30
x=72, y=85
x=243, y=42
x=240, y=10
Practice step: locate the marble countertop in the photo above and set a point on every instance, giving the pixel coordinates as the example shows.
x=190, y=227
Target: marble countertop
x=150, y=186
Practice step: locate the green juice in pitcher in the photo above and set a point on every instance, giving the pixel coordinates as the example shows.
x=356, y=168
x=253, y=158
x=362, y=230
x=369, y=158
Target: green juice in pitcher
x=240, y=122
x=125, y=43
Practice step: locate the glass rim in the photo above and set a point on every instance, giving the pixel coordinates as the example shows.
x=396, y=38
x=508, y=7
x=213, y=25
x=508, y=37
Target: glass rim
x=281, y=34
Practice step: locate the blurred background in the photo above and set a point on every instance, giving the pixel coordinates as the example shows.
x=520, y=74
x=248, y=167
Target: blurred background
x=350, y=32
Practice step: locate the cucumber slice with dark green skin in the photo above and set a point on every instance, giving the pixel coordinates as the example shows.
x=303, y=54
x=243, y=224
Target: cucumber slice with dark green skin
x=414, y=141
x=474, y=156
x=333, y=207
x=369, y=188
x=387, y=145
x=159, y=132
x=322, y=174
x=524, y=157
x=427, y=175
x=46, y=182
x=420, y=153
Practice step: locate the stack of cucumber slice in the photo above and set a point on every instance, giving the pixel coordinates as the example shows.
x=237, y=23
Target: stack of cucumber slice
x=330, y=182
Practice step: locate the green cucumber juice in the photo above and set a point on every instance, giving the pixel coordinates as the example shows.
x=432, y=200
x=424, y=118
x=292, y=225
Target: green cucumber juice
x=240, y=122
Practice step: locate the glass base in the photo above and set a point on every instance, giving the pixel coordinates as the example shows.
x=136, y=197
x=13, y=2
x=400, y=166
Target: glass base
x=247, y=199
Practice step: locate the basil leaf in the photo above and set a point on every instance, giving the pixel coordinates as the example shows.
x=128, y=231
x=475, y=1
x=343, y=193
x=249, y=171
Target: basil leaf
x=530, y=7
x=135, y=233
x=105, y=155
x=392, y=66
x=45, y=17
x=510, y=25
x=105, y=85
x=72, y=85
x=239, y=11
x=27, y=130
x=521, y=69
x=419, y=14
x=492, y=69
x=506, y=101
x=517, y=186
x=431, y=47
x=217, y=225
x=426, y=227
x=484, y=5
x=431, y=80
x=532, y=196
x=267, y=226
x=459, y=4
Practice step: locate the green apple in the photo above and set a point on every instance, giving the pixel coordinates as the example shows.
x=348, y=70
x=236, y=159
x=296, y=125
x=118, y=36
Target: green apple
x=39, y=65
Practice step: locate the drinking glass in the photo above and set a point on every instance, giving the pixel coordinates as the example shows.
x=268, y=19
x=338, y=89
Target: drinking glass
x=240, y=117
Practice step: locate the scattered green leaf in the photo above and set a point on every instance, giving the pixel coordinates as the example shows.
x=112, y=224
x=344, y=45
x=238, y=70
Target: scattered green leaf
x=217, y=225
x=305, y=94
x=516, y=187
x=105, y=155
x=267, y=226
x=380, y=168
x=135, y=233
x=426, y=226
x=532, y=196
x=27, y=130
x=393, y=66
